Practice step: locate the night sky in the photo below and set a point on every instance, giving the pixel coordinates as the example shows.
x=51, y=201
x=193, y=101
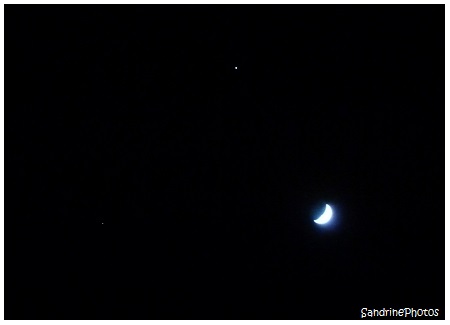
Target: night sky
x=148, y=178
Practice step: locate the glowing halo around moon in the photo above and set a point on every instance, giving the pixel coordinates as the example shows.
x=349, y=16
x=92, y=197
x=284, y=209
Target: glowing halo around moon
x=326, y=216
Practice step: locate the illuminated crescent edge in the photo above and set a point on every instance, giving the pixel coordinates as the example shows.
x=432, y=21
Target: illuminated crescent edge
x=326, y=216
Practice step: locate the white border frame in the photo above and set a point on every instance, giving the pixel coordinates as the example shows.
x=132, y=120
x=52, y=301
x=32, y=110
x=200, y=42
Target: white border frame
x=2, y=145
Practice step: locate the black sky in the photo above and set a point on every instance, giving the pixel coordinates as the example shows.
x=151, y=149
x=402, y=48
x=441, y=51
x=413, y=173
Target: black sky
x=147, y=178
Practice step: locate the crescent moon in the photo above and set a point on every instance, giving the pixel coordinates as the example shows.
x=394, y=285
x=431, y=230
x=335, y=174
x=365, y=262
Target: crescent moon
x=326, y=216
